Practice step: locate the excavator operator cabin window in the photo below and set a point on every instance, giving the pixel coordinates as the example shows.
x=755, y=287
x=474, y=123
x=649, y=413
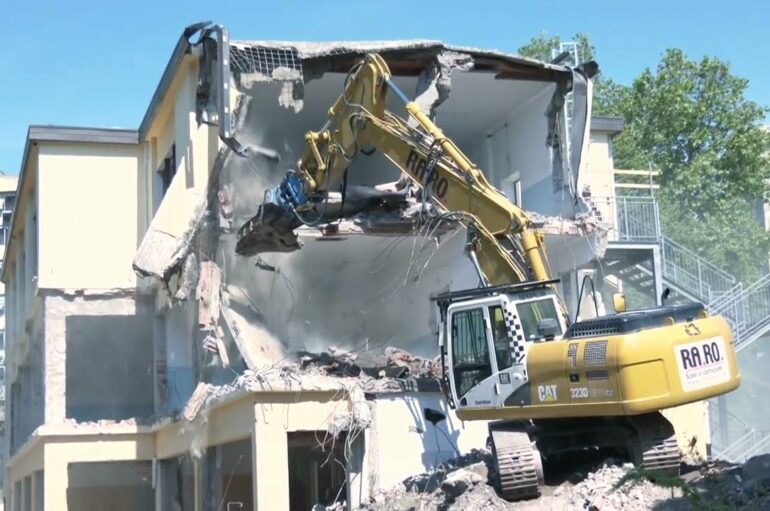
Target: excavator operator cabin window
x=470, y=350
x=501, y=339
x=530, y=314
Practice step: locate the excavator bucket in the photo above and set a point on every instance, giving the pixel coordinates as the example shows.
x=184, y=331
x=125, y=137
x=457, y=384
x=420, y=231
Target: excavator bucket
x=270, y=230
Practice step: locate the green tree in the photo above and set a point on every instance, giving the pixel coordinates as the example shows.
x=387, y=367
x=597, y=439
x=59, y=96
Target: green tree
x=692, y=121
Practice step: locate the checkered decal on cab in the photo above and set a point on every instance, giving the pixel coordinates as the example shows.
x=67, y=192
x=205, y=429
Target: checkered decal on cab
x=515, y=333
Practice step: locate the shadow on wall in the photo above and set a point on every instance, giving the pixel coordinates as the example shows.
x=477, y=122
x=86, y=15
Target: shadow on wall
x=109, y=367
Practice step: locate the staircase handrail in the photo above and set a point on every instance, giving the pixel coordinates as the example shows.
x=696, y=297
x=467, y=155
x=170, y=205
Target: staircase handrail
x=665, y=240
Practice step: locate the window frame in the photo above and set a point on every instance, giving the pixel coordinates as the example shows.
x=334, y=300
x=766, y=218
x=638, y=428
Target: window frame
x=484, y=305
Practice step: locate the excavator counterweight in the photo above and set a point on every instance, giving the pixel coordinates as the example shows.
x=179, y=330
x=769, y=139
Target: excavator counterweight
x=511, y=356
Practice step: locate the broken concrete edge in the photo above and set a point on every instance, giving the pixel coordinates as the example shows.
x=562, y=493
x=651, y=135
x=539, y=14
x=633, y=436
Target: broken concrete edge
x=285, y=379
x=314, y=50
x=117, y=292
x=213, y=397
x=161, y=254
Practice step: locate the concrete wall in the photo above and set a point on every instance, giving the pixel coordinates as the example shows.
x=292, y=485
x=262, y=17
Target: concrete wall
x=88, y=198
x=132, y=330
x=516, y=145
x=402, y=443
x=599, y=165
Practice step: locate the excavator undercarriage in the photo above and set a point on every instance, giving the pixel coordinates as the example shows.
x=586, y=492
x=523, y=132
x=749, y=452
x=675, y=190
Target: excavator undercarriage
x=521, y=448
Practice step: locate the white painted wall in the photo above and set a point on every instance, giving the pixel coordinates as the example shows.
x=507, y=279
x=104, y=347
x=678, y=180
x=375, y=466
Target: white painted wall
x=517, y=144
x=88, y=199
x=403, y=443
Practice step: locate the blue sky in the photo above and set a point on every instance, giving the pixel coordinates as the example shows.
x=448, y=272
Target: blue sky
x=97, y=63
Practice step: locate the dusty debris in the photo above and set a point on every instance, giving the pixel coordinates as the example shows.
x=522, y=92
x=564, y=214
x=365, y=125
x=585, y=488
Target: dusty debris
x=196, y=401
x=208, y=295
x=462, y=483
x=393, y=363
x=224, y=196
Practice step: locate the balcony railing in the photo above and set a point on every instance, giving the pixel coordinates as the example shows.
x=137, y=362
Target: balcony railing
x=635, y=219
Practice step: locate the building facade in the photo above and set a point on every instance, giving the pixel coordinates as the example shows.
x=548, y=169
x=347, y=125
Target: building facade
x=7, y=200
x=150, y=367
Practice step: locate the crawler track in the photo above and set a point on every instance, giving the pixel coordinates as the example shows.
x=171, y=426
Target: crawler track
x=518, y=465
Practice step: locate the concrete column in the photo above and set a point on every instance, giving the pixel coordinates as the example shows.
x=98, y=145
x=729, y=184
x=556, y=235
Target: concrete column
x=16, y=498
x=55, y=480
x=26, y=486
x=270, y=463
x=358, y=472
x=657, y=274
x=55, y=348
x=33, y=504
x=38, y=503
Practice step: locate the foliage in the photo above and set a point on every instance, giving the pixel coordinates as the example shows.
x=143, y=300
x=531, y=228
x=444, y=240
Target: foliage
x=692, y=122
x=638, y=475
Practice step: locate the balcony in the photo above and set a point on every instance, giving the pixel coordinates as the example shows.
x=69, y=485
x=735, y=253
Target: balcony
x=632, y=219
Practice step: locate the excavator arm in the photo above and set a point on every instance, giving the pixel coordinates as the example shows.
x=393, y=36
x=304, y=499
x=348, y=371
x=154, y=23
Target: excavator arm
x=503, y=243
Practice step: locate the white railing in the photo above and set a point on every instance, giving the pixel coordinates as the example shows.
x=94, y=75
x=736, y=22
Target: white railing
x=747, y=310
x=694, y=274
x=635, y=219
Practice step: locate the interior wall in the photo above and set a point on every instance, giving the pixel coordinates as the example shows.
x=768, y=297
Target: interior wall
x=109, y=367
x=103, y=349
x=316, y=471
x=180, y=335
x=117, y=486
x=177, y=484
x=404, y=443
x=39, y=490
x=517, y=144
x=229, y=476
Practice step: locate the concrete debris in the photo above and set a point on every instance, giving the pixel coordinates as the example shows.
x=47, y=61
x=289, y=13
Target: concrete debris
x=224, y=196
x=106, y=423
x=208, y=295
x=353, y=374
x=462, y=483
x=196, y=401
x=216, y=346
x=189, y=277
x=256, y=344
x=435, y=81
x=395, y=363
x=357, y=418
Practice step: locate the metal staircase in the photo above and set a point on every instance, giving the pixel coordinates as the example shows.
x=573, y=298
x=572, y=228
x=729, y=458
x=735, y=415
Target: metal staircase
x=741, y=440
x=690, y=277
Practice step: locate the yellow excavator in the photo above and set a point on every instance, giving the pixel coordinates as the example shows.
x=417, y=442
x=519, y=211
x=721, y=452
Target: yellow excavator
x=547, y=386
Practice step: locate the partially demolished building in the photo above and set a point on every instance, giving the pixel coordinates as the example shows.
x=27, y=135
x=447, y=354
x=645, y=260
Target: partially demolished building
x=151, y=367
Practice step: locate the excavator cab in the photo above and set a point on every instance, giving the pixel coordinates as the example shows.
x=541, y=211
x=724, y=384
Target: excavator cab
x=484, y=335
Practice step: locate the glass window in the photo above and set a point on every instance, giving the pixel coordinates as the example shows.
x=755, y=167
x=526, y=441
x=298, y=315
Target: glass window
x=501, y=338
x=2, y=339
x=530, y=314
x=470, y=351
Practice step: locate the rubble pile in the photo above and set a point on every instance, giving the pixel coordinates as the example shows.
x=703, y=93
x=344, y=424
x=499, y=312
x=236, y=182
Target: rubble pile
x=463, y=484
x=394, y=363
